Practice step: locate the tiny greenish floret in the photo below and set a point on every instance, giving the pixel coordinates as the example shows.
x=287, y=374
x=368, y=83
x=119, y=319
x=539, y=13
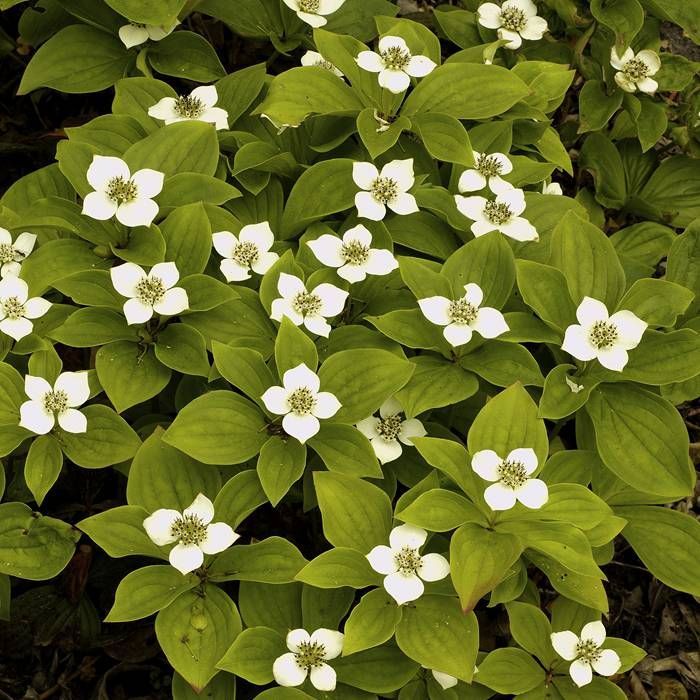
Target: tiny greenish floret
x=488, y=166
x=13, y=308
x=309, y=5
x=389, y=427
x=395, y=58
x=245, y=253
x=56, y=401
x=461, y=311
x=587, y=650
x=355, y=253
x=150, y=290
x=7, y=253
x=189, y=529
x=513, y=18
x=603, y=334
x=301, y=401
x=121, y=190
x=322, y=63
x=512, y=474
x=384, y=189
x=189, y=107
x=307, y=303
x=497, y=212
x=310, y=655
x=407, y=561
x=635, y=70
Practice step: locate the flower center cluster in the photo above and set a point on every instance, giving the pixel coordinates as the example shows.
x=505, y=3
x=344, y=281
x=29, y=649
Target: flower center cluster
x=497, y=212
x=390, y=427
x=245, y=253
x=309, y=5
x=586, y=650
x=121, y=190
x=13, y=308
x=322, y=63
x=188, y=107
x=189, y=529
x=512, y=474
x=384, y=189
x=7, y=253
x=635, y=70
x=395, y=58
x=462, y=312
x=355, y=253
x=150, y=290
x=407, y=561
x=513, y=18
x=301, y=401
x=307, y=303
x=488, y=165
x=603, y=334
x=55, y=401
x=310, y=655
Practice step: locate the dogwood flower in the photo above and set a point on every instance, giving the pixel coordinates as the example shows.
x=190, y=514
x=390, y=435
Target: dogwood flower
x=307, y=656
x=461, y=317
x=387, y=431
x=501, y=214
x=634, y=71
x=134, y=34
x=149, y=293
x=511, y=477
x=395, y=64
x=314, y=58
x=513, y=21
x=404, y=567
x=16, y=308
x=118, y=192
x=49, y=404
x=388, y=188
x=586, y=652
x=352, y=254
x=194, y=532
x=197, y=106
x=488, y=169
x=603, y=337
x=300, y=402
x=310, y=308
x=551, y=188
x=250, y=250
x=312, y=11
x=444, y=680
x=12, y=254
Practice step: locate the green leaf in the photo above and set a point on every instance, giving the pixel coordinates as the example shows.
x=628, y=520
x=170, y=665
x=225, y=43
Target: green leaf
x=600, y=157
x=186, y=55
x=183, y=349
x=243, y=368
x=683, y=265
x=450, y=458
x=346, y=450
x=531, y=630
x=383, y=670
x=148, y=11
x=86, y=328
x=293, y=347
x=596, y=106
x=109, y=135
x=205, y=293
x=355, y=514
x=253, y=653
x=133, y=96
x=444, y=137
x=189, y=188
x=502, y=364
x=624, y=17
x=440, y=510
x=238, y=90
x=339, y=567
x=43, y=466
x=148, y=590
x=218, y=428
x=239, y=497
x=544, y=290
x=90, y=288
x=12, y=394
x=673, y=190
x=510, y=671
x=371, y=623
x=280, y=465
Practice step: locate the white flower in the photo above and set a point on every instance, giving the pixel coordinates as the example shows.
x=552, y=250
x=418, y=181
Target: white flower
x=197, y=106
x=16, y=308
x=12, y=254
x=389, y=430
x=314, y=58
x=149, y=293
x=310, y=308
x=488, y=169
x=395, y=64
x=586, y=653
x=194, y=532
x=551, y=188
x=511, y=478
x=352, y=255
x=444, y=680
x=404, y=567
x=307, y=656
x=501, y=214
x=461, y=317
x=300, y=402
x=119, y=192
x=634, y=71
x=134, y=34
x=603, y=337
x=250, y=250
x=47, y=404
x=514, y=21
x=312, y=11
x=386, y=189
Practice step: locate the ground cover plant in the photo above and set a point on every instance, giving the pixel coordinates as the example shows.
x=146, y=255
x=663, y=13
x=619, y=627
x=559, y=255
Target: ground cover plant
x=350, y=349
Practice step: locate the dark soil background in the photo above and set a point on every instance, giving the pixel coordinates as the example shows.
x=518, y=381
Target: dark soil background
x=56, y=645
